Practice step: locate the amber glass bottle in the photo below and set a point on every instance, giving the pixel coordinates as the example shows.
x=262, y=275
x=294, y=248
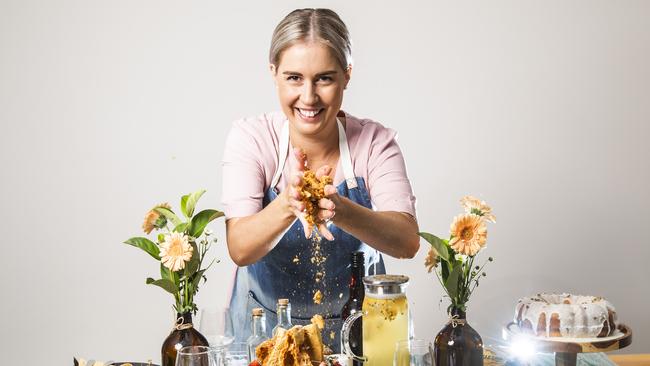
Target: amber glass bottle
x=183, y=334
x=355, y=302
x=458, y=344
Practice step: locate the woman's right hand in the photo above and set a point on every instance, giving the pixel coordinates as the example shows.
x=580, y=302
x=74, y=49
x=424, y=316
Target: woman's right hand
x=291, y=195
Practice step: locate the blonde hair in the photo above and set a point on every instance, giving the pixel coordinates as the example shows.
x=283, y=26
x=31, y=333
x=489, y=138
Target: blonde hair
x=311, y=25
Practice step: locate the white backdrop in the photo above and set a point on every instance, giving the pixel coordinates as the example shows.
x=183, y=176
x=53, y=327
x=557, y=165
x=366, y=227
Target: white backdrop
x=109, y=107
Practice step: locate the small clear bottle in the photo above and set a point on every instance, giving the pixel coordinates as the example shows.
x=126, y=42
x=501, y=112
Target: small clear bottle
x=259, y=332
x=284, y=316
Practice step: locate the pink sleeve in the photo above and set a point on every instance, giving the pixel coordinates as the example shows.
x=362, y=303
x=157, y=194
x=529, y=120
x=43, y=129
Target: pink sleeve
x=390, y=188
x=242, y=173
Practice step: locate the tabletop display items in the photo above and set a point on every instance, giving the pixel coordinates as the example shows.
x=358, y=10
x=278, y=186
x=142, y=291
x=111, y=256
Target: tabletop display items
x=180, y=247
x=198, y=356
x=413, y=352
x=386, y=320
x=452, y=260
x=216, y=325
x=355, y=302
x=283, y=311
x=258, y=334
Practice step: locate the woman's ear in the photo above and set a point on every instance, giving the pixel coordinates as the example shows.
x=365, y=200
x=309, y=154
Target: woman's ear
x=348, y=75
x=273, y=71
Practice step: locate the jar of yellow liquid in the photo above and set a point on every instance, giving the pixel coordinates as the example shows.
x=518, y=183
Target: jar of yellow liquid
x=385, y=319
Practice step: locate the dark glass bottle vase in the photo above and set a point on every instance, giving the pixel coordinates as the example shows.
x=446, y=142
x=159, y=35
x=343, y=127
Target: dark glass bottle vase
x=184, y=334
x=458, y=344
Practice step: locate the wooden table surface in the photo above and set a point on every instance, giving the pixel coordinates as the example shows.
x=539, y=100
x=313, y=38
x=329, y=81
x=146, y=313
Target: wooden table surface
x=631, y=360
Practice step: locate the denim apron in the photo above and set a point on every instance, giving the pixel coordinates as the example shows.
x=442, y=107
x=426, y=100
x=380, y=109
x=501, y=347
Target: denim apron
x=287, y=270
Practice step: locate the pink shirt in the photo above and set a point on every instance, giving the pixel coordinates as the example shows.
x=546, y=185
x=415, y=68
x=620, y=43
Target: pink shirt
x=251, y=158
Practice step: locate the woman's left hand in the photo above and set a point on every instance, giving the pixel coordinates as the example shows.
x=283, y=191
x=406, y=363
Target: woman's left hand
x=327, y=206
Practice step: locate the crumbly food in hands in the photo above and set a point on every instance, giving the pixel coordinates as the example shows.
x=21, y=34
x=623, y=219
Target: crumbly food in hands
x=311, y=191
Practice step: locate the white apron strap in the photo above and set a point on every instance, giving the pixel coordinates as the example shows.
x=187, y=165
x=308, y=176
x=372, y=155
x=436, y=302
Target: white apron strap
x=346, y=159
x=344, y=156
x=282, y=158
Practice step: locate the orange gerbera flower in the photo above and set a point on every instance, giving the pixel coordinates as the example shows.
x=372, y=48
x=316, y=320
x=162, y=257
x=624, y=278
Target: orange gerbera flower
x=469, y=234
x=476, y=206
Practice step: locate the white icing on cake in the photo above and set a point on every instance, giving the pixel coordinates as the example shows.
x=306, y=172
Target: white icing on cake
x=580, y=316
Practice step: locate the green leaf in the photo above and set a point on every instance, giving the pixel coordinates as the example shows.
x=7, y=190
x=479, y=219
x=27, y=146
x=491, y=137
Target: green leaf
x=161, y=237
x=165, y=273
x=181, y=227
x=192, y=200
x=444, y=270
x=437, y=244
x=452, y=282
x=201, y=220
x=184, y=205
x=193, y=264
x=145, y=244
x=169, y=215
x=165, y=284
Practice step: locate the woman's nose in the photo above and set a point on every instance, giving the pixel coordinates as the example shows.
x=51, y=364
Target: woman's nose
x=309, y=94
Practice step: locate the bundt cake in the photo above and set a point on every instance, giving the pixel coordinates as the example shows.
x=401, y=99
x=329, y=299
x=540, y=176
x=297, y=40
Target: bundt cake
x=565, y=315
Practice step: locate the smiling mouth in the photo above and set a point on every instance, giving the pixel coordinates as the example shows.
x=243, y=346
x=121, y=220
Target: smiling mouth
x=309, y=114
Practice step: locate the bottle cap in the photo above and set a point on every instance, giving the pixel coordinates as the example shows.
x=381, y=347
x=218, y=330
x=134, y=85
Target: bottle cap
x=385, y=284
x=258, y=312
x=283, y=302
x=357, y=258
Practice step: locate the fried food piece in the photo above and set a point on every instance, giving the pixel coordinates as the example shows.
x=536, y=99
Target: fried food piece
x=263, y=351
x=313, y=340
x=318, y=297
x=297, y=346
x=311, y=191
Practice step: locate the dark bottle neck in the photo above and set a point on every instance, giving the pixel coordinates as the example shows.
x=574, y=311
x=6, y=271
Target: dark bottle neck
x=187, y=318
x=356, y=279
x=358, y=270
x=457, y=313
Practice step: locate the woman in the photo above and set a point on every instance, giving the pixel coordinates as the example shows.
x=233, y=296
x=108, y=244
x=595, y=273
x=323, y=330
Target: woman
x=268, y=236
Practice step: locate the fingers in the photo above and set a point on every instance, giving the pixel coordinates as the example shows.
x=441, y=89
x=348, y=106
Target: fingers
x=301, y=157
x=324, y=170
x=322, y=228
x=294, y=190
x=297, y=206
x=326, y=204
x=325, y=215
x=305, y=225
x=296, y=180
x=329, y=190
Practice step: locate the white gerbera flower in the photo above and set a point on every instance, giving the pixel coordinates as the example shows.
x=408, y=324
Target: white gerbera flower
x=175, y=251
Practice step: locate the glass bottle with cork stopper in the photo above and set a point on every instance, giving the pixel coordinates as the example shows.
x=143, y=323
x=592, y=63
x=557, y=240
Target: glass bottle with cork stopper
x=259, y=332
x=284, y=316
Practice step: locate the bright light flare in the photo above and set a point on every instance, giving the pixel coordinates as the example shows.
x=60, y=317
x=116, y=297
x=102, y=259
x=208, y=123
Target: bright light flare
x=522, y=349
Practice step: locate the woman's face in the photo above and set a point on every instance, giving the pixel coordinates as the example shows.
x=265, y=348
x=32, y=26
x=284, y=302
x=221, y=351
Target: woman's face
x=310, y=85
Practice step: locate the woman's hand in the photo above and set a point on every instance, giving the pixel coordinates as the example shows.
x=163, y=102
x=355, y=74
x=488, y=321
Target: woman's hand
x=291, y=195
x=326, y=206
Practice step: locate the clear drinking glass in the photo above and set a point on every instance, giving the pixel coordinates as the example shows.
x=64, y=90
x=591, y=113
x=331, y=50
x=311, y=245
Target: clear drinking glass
x=198, y=356
x=413, y=352
x=237, y=354
x=216, y=326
